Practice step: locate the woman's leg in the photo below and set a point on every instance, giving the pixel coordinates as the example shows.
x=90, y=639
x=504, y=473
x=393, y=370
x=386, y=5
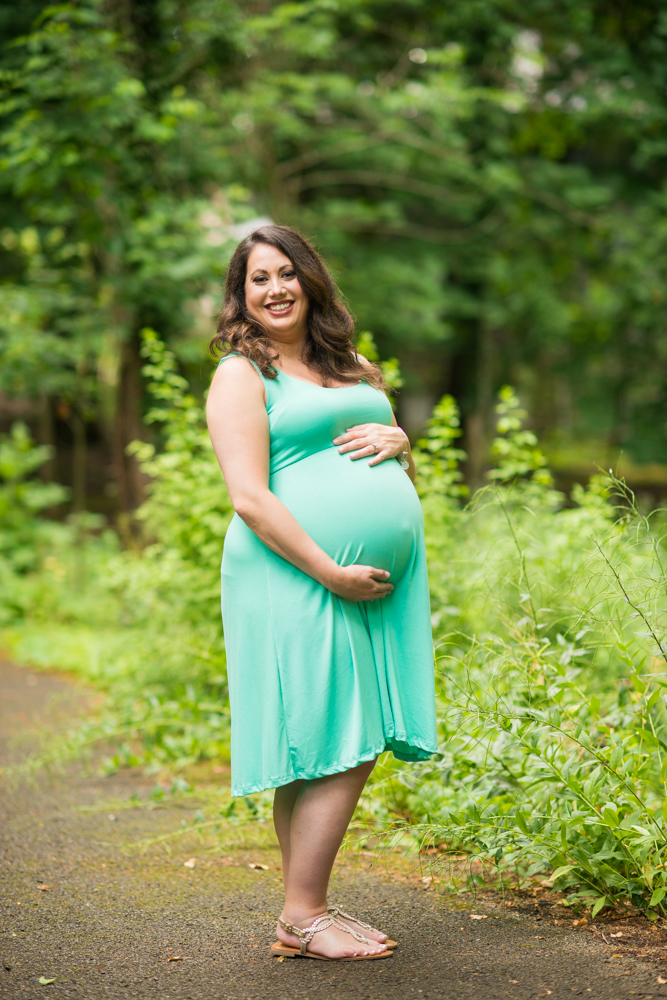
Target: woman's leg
x=283, y=807
x=320, y=812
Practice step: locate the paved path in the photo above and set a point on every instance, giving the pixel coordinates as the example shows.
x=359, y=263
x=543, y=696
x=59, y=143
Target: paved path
x=114, y=916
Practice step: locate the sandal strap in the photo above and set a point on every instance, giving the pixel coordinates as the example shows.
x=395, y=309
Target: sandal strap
x=336, y=911
x=306, y=934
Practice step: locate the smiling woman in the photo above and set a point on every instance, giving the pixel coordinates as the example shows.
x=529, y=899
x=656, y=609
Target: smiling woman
x=324, y=591
x=274, y=302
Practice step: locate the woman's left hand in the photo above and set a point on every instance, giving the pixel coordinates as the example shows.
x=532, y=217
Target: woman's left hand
x=379, y=440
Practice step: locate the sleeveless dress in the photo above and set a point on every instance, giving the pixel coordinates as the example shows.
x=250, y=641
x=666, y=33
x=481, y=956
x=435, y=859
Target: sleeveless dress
x=318, y=684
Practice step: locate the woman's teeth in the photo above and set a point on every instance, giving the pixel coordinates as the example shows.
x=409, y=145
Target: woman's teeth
x=279, y=307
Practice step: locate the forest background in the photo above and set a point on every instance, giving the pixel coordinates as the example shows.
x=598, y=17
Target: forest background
x=487, y=180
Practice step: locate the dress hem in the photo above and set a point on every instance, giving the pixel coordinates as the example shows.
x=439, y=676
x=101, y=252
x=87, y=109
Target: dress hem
x=422, y=752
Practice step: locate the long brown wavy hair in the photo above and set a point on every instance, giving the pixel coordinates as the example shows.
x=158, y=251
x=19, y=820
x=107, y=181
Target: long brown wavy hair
x=328, y=350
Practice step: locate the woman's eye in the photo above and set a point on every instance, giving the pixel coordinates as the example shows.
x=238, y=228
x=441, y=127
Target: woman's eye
x=259, y=280
x=289, y=274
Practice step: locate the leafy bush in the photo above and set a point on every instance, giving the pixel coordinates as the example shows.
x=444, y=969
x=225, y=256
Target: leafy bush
x=22, y=497
x=551, y=680
x=144, y=624
x=25, y=538
x=188, y=509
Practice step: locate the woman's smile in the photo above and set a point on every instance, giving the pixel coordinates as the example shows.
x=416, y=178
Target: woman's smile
x=280, y=308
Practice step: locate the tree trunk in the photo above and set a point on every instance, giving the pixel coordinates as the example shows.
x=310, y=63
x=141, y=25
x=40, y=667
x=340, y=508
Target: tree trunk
x=47, y=436
x=478, y=424
x=79, y=455
x=129, y=427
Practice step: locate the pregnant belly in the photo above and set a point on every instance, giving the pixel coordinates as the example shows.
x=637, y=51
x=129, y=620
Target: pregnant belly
x=369, y=515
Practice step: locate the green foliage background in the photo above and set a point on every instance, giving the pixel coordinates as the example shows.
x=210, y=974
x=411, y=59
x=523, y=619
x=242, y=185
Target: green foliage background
x=486, y=178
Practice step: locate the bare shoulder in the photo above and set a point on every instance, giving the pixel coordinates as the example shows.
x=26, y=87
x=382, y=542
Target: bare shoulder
x=236, y=368
x=237, y=372
x=236, y=391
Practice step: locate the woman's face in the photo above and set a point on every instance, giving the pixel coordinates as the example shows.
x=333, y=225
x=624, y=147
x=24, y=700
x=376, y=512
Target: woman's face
x=274, y=296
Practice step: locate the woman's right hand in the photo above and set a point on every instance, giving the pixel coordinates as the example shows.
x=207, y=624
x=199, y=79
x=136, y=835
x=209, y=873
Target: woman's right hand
x=360, y=583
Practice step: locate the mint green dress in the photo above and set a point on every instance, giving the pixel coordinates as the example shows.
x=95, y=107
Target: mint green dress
x=319, y=684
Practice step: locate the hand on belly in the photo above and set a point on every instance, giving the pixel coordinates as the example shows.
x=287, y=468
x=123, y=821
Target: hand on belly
x=360, y=583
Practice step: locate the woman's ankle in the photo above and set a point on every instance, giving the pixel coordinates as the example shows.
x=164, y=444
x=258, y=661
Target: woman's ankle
x=299, y=914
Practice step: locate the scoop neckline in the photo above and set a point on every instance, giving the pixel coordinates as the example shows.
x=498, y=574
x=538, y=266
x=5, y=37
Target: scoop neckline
x=327, y=388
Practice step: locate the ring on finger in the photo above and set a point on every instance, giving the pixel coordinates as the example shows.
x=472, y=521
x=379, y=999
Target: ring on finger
x=375, y=449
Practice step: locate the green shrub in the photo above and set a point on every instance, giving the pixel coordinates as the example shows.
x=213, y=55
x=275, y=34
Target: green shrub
x=23, y=497
x=144, y=624
x=551, y=679
x=25, y=537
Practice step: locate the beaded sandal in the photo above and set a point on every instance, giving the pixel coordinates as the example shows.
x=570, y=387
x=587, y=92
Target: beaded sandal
x=336, y=911
x=306, y=935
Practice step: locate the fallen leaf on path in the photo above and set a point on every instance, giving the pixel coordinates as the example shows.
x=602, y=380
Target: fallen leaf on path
x=190, y=864
x=661, y=980
x=478, y=916
x=580, y=922
x=256, y=864
x=616, y=955
x=175, y=958
x=619, y=934
x=282, y=958
x=514, y=980
x=45, y=982
x=45, y=888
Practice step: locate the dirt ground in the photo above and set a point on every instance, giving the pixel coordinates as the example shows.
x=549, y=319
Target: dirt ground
x=87, y=910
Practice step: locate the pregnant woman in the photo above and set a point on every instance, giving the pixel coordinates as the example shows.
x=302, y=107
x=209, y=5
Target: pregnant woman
x=325, y=599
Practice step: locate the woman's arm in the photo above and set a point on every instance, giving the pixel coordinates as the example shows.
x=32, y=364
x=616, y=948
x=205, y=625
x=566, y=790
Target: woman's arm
x=239, y=429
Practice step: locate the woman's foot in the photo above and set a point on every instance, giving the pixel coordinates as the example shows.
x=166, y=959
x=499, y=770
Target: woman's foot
x=331, y=942
x=368, y=932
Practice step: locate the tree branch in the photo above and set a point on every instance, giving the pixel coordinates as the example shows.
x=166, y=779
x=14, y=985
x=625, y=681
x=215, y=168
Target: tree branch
x=427, y=233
